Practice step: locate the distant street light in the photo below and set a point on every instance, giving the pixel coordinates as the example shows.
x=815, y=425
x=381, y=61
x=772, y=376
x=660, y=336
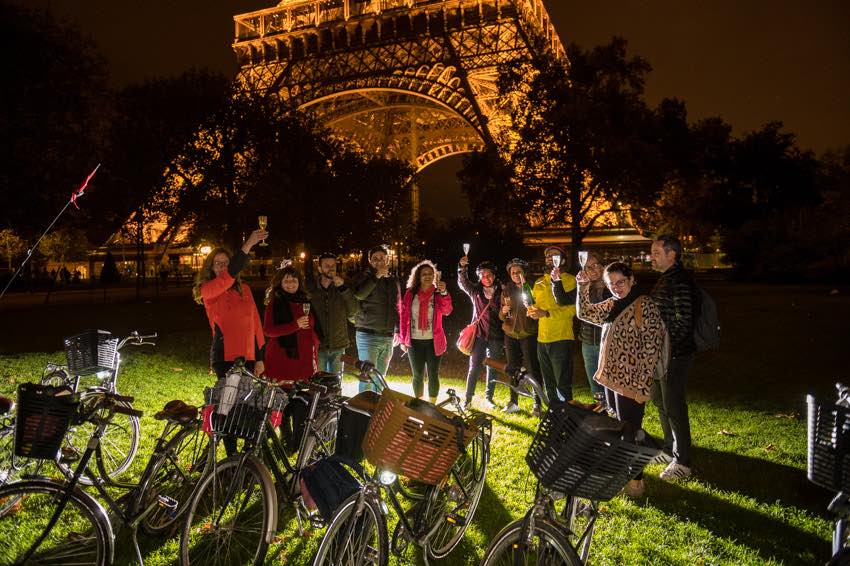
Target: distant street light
x=205, y=250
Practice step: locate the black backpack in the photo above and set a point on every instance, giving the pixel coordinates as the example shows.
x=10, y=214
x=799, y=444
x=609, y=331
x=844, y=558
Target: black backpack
x=328, y=483
x=707, y=327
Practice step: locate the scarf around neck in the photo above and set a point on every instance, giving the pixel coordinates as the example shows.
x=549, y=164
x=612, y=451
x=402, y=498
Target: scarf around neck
x=622, y=304
x=282, y=314
x=424, y=300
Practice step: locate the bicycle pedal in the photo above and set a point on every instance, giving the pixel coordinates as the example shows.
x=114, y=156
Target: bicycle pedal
x=456, y=520
x=167, y=502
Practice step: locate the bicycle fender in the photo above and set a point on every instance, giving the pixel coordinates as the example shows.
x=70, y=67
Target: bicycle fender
x=99, y=511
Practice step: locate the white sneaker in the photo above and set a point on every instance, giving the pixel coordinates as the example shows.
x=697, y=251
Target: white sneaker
x=510, y=408
x=662, y=458
x=675, y=471
x=489, y=405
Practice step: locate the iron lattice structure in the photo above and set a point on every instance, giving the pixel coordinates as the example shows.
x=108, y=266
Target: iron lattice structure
x=408, y=79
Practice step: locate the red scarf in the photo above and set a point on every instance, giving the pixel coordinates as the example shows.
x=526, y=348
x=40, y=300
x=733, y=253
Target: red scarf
x=424, y=299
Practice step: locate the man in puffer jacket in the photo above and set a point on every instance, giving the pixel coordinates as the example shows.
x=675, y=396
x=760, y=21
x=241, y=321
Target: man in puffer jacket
x=677, y=298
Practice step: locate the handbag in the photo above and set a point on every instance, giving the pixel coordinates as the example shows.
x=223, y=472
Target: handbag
x=466, y=339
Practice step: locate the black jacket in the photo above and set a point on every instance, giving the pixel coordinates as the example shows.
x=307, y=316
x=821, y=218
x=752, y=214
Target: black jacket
x=490, y=326
x=677, y=296
x=333, y=308
x=378, y=303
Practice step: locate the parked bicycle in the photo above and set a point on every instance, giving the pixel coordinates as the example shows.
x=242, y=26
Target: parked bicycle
x=232, y=515
x=580, y=457
x=829, y=463
x=97, y=353
x=519, y=380
x=447, y=452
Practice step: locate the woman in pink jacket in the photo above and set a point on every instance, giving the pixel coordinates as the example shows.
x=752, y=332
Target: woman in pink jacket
x=421, y=333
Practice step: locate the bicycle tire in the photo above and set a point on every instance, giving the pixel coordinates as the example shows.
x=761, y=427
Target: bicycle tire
x=118, y=445
x=175, y=473
x=545, y=535
x=82, y=535
x=460, y=495
x=203, y=543
x=578, y=512
x=12, y=467
x=322, y=442
x=337, y=547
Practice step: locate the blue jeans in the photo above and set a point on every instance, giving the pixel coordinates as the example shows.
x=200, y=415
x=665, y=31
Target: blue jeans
x=590, y=353
x=492, y=349
x=556, y=365
x=375, y=349
x=329, y=360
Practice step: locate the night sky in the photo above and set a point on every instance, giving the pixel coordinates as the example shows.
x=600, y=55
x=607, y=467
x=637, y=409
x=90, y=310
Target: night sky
x=749, y=62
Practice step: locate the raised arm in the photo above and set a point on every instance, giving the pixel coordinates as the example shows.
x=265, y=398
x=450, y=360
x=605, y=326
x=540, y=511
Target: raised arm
x=365, y=285
x=564, y=291
x=594, y=313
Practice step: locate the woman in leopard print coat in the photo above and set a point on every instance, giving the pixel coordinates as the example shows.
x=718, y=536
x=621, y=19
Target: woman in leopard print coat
x=633, y=337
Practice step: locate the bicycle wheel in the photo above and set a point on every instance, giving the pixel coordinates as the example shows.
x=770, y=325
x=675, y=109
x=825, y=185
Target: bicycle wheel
x=174, y=474
x=580, y=516
x=118, y=445
x=546, y=545
x=355, y=538
x=81, y=535
x=321, y=441
x=12, y=467
x=454, y=505
x=232, y=515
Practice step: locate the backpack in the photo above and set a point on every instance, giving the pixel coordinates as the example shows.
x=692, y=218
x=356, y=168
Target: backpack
x=326, y=484
x=707, y=326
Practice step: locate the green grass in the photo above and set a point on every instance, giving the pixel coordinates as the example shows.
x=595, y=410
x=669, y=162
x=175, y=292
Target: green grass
x=748, y=503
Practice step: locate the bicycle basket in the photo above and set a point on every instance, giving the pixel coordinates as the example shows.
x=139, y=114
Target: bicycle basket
x=241, y=406
x=413, y=438
x=829, y=445
x=44, y=415
x=578, y=452
x=91, y=352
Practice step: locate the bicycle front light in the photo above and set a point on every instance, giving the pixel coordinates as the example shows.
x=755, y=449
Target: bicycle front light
x=387, y=477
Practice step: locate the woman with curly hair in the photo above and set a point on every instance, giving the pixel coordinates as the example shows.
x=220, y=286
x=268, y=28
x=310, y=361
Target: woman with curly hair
x=292, y=352
x=421, y=333
x=232, y=313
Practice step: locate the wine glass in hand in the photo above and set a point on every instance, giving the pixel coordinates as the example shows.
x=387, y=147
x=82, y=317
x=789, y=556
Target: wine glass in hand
x=263, y=222
x=466, y=249
x=582, y=259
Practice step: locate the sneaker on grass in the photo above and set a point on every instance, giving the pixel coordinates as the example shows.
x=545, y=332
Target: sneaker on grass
x=662, y=458
x=510, y=408
x=489, y=405
x=675, y=471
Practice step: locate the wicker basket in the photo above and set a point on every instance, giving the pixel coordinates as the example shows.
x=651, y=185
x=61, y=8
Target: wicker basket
x=829, y=445
x=44, y=415
x=581, y=453
x=91, y=352
x=419, y=441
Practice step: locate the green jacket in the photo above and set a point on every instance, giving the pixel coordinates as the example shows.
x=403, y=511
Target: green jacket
x=333, y=308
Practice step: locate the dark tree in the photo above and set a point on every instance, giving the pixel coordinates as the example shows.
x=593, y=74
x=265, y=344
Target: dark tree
x=582, y=143
x=54, y=105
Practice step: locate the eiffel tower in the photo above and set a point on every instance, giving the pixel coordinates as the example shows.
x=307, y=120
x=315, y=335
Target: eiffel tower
x=408, y=79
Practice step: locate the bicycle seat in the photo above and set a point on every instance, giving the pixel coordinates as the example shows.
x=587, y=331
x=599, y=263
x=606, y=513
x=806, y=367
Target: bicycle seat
x=177, y=412
x=364, y=402
x=6, y=405
x=329, y=380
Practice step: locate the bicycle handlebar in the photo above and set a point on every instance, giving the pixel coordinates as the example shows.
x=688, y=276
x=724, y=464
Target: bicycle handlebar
x=137, y=339
x=368, y=372
x=501, y=367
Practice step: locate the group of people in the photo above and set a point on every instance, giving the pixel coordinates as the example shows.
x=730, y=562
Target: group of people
x=635, y=346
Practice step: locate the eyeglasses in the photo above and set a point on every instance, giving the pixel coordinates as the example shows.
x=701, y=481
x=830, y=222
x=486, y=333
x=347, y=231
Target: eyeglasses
x=221, y=263
x=618, y=283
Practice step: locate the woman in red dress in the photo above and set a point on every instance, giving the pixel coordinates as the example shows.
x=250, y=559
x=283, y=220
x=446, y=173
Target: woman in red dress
x=292, y=351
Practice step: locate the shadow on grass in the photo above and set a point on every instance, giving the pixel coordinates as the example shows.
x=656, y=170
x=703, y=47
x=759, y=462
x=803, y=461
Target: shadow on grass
x=760, y=479
x=770, y=537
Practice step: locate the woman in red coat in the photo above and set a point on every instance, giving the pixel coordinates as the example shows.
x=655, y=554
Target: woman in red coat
x=420, y=329
x=292, y=351
x=232, y=312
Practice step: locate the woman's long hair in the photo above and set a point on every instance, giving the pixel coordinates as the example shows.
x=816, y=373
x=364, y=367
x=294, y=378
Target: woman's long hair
x=274, y=284
x=413, y=281
x=207, y=274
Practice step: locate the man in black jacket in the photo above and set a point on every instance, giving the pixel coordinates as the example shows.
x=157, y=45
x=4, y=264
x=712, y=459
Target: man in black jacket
x=377, y=321
x=334, y=305
x=677, y=297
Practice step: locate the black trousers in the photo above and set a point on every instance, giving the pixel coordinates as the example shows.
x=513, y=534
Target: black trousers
x=630, y=411
x=522, y=352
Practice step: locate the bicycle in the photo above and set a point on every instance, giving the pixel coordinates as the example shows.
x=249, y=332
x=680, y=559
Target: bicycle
x=828, y=463
x=232, y=515
x=97, y=352
x=518, y=381
x=56, y=522
x=580, y=457
x=357, y=533
x=12, y=466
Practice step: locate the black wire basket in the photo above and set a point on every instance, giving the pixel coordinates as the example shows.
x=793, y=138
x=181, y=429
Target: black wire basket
x=44, y=415
x=241, y=405
x=92, y=351
x=829, y=445
x=585, y=454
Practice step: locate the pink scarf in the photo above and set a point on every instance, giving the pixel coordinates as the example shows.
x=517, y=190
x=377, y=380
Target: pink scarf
x=424, y=299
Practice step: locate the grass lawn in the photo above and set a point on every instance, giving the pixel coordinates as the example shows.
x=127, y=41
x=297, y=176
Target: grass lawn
x=748, y=503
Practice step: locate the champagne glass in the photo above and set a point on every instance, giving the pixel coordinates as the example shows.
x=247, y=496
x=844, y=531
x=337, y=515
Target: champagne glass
x=506, y=300
x=466, y=249
x=556, y=260
x=582, y=258
x=263, y=222
x=306, y=307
